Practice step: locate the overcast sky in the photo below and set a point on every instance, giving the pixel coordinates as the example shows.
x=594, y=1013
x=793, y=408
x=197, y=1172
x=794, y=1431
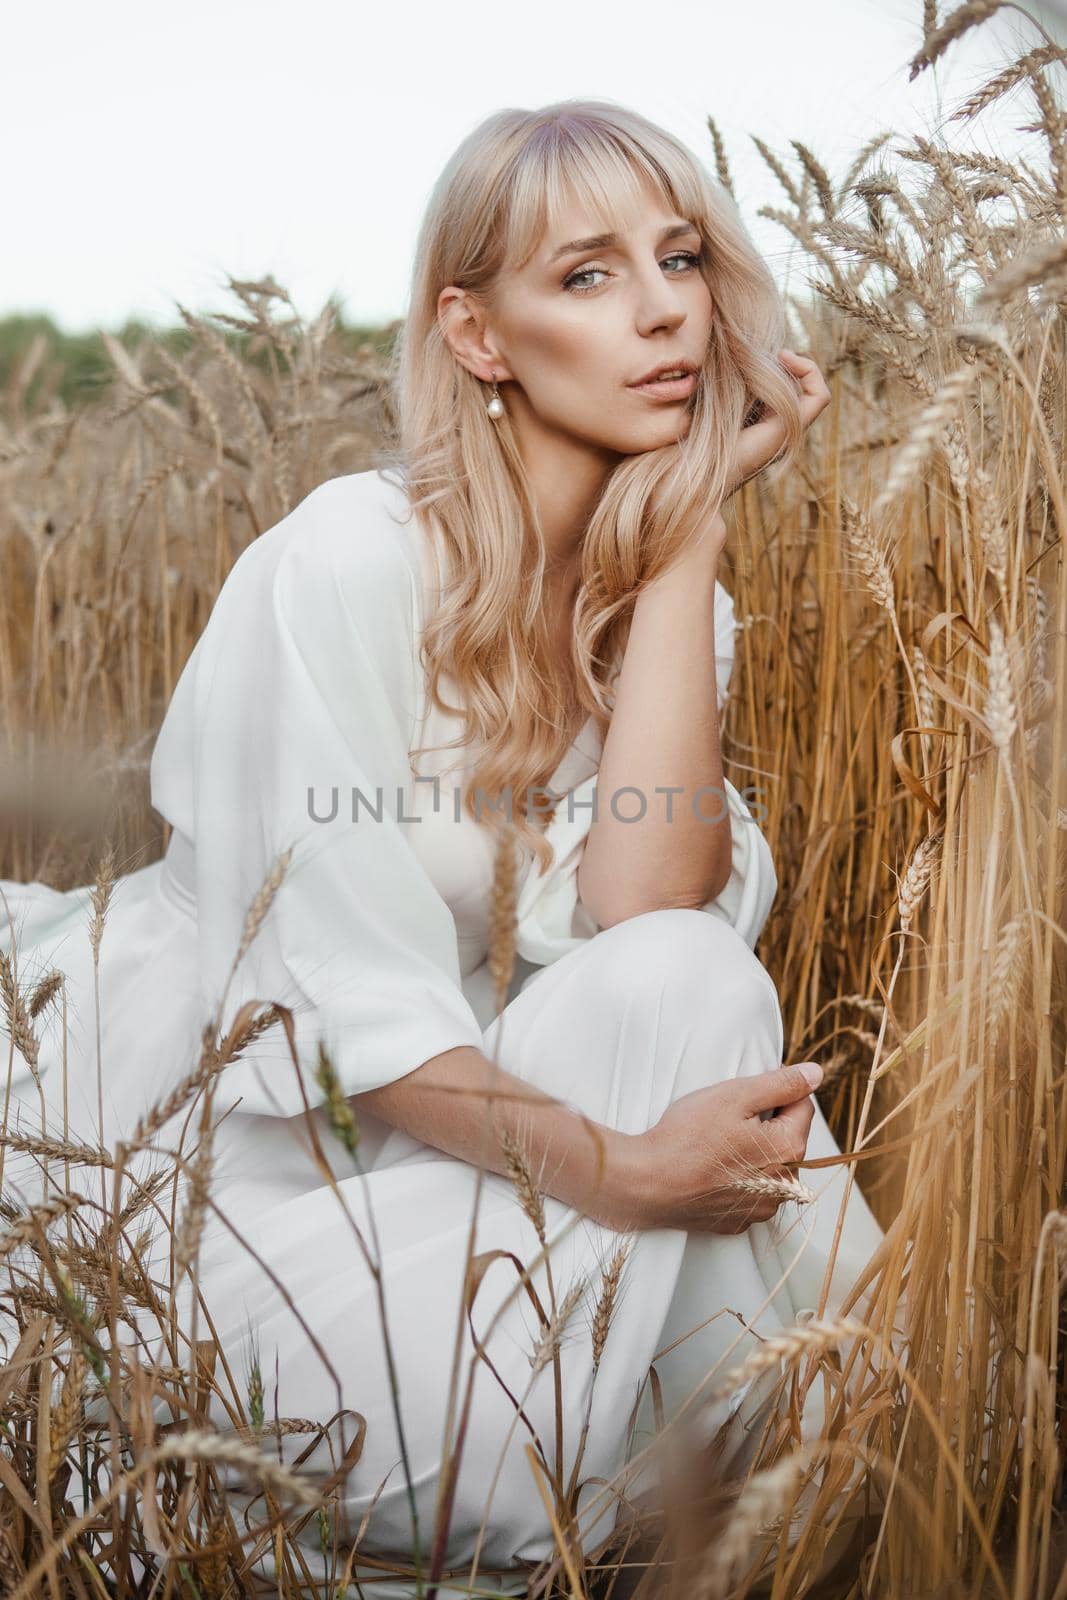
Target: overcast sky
x=152, y=150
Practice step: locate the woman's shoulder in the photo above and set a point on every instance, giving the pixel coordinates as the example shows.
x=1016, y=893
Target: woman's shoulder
x=354, y=528
x=348, y=547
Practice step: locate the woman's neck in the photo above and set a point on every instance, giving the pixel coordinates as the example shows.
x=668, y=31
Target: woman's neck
x=566, y=478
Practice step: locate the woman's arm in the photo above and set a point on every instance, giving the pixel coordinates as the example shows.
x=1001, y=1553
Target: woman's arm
x=445, y=1103
x=664, y=733
x=681, y=1173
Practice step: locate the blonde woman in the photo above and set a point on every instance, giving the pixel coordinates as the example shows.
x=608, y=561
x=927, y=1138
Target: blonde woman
x=530, y=584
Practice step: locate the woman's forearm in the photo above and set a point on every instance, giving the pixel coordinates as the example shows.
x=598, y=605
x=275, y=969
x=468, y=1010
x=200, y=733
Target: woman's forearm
x=446, y=1103
x=662, y=758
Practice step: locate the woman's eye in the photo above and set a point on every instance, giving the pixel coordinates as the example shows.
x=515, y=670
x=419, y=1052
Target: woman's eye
x=689, y=257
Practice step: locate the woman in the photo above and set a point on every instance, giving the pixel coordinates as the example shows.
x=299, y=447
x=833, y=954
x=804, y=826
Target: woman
x=546, y=548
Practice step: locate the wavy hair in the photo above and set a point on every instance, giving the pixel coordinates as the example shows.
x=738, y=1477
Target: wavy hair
x=462, y=472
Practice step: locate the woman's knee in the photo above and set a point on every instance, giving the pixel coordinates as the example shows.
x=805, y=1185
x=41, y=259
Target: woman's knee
x=694, y=953
x=697, y=967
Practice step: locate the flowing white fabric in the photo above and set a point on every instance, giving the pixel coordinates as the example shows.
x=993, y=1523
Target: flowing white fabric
x=304, y=684
x=289, y=730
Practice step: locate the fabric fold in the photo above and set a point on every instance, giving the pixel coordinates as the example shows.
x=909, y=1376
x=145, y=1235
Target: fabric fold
x=552, y=920
x=288, y=732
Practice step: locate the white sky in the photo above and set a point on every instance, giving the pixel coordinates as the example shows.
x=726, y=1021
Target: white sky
x=151, y=150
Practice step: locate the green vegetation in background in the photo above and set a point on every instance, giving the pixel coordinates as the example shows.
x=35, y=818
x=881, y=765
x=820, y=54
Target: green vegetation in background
x=76, y=367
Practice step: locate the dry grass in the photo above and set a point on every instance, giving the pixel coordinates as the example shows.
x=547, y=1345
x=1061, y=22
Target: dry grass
x=899, y=702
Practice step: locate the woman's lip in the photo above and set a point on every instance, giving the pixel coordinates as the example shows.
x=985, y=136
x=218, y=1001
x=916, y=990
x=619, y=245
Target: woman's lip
x=668, y=389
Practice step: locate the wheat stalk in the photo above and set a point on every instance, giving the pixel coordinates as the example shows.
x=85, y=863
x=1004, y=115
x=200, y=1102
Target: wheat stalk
x=610, y=1278
x=1034, y=265
x=28, y=1225
x=187, y=1240
x=45, y=991
x=759, y=1502
x=212, y=1061
x=262, y=902
x=66, y=1416
x=1007, y=971
x=280, y=1428
x=777, y=1188
x=813, y=1335
x=916, y=878
x=339, y=1110
x=522, y=1179
x=100, y=897
x=1000, y=702
x=17, y=1019
x=548, y=1340
x=998, y=85
x=202, y=1445
x=929, y=427
x=954, y=26
x=80, y=1155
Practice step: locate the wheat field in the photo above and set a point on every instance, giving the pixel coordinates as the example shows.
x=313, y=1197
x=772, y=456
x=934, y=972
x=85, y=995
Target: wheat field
x=899, y=704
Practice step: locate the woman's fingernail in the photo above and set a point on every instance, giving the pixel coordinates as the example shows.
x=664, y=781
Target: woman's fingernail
x=813, y=1072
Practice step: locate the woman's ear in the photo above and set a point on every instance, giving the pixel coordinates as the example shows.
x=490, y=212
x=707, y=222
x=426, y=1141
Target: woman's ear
x=457, y=326
x=462, y=327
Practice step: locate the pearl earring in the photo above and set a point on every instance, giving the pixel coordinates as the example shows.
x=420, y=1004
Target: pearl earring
x=495, y=408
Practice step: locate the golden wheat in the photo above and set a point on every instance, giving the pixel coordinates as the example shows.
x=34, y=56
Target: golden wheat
x=937, y=313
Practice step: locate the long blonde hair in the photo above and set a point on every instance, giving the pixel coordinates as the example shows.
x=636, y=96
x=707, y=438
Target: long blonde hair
x=462, y=471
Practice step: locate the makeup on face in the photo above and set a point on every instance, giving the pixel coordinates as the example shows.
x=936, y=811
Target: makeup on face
x=669, y=388
x=674, y=378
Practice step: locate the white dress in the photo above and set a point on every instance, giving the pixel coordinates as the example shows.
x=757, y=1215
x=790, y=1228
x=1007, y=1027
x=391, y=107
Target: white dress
x=306, y=681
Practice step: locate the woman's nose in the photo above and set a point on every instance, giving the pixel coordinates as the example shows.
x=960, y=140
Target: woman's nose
x=658, y=305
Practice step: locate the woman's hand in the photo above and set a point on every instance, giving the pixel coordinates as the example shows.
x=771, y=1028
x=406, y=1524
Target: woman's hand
x=683, y=1172
x=760, y=442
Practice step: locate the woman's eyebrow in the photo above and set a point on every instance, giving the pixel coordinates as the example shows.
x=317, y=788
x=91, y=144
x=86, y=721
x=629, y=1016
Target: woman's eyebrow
x=601, y=241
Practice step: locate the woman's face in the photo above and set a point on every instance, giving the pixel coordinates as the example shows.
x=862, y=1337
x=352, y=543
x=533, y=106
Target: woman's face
x=576, y=327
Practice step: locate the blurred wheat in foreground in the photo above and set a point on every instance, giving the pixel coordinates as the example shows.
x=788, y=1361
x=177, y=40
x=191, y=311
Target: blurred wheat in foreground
x=900, y=704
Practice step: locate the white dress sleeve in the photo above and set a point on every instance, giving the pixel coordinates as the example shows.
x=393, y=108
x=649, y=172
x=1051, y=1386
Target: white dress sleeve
x=297, y=698
x=553, y=920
